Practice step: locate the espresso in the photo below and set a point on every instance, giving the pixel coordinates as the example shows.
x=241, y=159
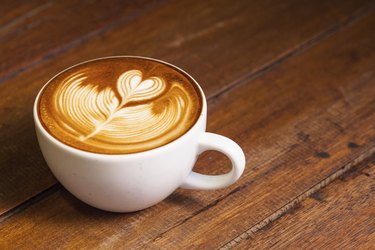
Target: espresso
x=119, y=105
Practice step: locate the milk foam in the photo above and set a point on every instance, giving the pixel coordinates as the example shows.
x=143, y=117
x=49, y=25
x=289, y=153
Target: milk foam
x=136, y=113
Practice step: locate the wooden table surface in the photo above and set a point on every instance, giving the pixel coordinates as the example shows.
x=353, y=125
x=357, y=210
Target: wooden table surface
x=293, y=82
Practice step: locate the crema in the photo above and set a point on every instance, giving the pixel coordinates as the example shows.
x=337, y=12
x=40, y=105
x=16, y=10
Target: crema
x=119, y=105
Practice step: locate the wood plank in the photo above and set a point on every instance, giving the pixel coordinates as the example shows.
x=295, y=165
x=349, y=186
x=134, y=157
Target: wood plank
x=341, y=216
x=279, y=121
x=277, y=118
x=183, y=42
x=53, y=27
x=13, y=12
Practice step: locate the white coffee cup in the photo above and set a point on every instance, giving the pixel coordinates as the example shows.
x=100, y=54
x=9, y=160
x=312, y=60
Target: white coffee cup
x=131, y=182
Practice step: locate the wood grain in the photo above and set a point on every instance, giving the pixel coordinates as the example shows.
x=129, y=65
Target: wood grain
x=197, y=45
x=277, y=118
x=54, y=27
x=341, y=216
x=281, y=125
x=12, y=12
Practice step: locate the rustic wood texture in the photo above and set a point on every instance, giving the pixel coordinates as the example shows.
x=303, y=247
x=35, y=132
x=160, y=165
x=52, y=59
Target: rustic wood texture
x=197, y=45
x=341, y=216
x=13, y=11
x=293, y=83
x=51, y=28
x=281, y=130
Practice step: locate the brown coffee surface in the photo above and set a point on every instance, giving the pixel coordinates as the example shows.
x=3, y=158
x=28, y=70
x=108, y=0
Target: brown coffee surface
x=119, y=105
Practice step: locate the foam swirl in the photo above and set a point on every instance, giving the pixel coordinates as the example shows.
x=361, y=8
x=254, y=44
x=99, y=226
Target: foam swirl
x=135, y=112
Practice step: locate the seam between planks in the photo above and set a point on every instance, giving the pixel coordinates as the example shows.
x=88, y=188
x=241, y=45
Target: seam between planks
x=358, y=15
x=52, y=189
x=80, y=40
x=248, y=234
x=215, y=202
x=25, y=16
x=325, y=34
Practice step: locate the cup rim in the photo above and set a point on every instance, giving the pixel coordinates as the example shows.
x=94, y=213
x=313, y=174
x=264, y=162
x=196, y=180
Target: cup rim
x=150, y=152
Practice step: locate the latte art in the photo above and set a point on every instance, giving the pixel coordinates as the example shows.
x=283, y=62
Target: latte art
x=131, y=114
x=87, y=112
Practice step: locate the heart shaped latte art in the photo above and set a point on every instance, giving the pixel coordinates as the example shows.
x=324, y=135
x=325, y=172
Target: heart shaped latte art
x=141, y=110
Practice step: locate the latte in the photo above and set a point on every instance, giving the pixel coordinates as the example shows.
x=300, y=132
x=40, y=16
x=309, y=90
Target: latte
x=119, y=105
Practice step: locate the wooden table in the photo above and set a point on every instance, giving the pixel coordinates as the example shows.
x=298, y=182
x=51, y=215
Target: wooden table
x=293, y=82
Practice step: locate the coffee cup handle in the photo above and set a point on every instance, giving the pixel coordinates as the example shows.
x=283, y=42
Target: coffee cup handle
x=210, y=141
